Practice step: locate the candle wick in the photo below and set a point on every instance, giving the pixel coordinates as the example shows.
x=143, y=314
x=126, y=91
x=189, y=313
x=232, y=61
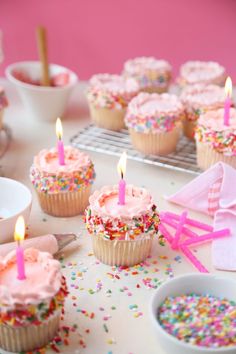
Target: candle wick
x=122, y=175
x=18, y=243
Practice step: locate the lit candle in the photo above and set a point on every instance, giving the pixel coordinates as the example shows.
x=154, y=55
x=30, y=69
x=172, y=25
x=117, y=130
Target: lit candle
x=60, y=145
x=19, y=236
x=122, y=184
x=228, y=92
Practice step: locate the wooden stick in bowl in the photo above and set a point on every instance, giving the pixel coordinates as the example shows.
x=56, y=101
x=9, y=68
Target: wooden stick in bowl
x=43, y=55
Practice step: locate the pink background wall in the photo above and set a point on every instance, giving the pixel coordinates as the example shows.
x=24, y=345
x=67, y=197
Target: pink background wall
x=91, y=36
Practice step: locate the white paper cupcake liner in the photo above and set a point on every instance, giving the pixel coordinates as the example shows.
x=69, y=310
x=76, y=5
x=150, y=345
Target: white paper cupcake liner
x=207, y=156
x=65, y=203
x=121, y=253
x=21, y=339
x=112, y=119
x=155, y=143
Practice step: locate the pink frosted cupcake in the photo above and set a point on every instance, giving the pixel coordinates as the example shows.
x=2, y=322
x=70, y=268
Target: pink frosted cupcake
x=3, y=105
x=30, y=309
x=201, y=72
x=154, y=122
x=216, y=141
x=122, y=234
x=62, y=190
x=108, y=97
x=198, y=99
x=153, y=75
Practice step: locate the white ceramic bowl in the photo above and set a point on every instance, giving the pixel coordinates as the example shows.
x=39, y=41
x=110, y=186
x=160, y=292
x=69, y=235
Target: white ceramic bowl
x=42, y=102
x=198, y=283
x=15, y=200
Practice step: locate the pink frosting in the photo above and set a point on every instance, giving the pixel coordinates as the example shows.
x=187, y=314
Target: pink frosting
x=214, y=120
x=47, y=161
x=105, y=202
x=146, y=104
x=203, y=96
x=115, y=84
x=43, y=279
x=143, y=64
x=200, y=71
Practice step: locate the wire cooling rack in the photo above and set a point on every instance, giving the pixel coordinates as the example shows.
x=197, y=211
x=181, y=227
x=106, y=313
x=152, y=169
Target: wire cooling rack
x=114, y=143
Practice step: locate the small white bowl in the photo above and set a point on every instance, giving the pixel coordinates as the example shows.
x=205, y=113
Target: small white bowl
x=197, y=283
x=42, y=102
x=15, y=200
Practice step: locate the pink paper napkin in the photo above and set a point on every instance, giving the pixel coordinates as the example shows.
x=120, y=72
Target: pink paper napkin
x=214, y=193
x=224, y=250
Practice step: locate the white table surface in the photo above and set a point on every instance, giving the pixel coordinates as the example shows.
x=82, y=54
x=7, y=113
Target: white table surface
x=128, y=333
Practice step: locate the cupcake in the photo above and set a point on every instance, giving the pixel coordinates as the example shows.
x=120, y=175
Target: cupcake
x=62, y=190
x=216, y=141
x=30, y=308
x=122, y=234
x=201, y=72
x=153, y=75
x=108, y=97
x=154, y=122
x=198, y=99
x=3, y=105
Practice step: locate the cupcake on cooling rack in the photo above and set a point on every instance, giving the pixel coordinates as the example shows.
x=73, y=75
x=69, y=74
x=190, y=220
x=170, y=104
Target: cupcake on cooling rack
x=108, y=97
x=3, y=105
x=122, y=234
x=215, y=140
x=153, y=75
x=154, y=122
x=201, y=72
x=198, y=99
x=30, y=308
x=62, y=189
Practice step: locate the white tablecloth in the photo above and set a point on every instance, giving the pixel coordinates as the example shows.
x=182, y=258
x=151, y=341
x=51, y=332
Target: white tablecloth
x=117, y=301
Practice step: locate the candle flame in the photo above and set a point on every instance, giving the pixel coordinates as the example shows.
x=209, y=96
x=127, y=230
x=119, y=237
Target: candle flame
x=19, y=229
x=121, y=167
x=228, y=87
x=59, y=129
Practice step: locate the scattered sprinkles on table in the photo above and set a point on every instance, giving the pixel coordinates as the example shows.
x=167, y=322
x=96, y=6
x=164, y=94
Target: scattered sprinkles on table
x=125, y=281
x=202, y=320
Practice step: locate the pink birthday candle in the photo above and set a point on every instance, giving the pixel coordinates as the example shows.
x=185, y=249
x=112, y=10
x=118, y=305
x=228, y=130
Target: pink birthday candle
x=197, y=264
x=20, y=262
x=228, y=92
x=207, y=237
x=192, y=222
x=172, y=223
x=178, y=232
x=19, y=236
x=122, y=184
x=60, y=145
